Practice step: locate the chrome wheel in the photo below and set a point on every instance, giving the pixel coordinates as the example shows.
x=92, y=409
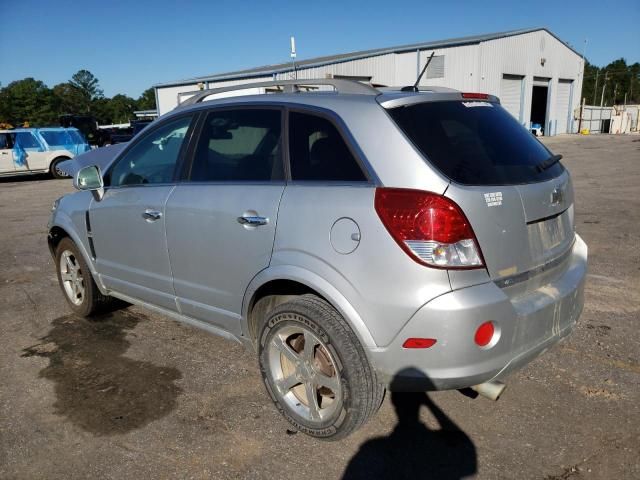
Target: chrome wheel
x=71, y=277
x=304, y=374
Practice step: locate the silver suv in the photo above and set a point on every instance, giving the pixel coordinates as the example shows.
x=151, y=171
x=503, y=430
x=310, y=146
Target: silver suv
x=357, y=239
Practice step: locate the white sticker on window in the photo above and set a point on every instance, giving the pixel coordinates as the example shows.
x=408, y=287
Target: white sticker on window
x=477, y=104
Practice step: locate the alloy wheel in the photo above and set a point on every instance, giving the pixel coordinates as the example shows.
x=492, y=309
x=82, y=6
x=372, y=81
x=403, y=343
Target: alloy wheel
x=71, y=277
x=304, y=374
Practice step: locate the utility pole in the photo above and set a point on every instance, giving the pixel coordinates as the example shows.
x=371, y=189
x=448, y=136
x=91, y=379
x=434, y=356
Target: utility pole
x=293, y=57
x=604, y=85
x=595, y=89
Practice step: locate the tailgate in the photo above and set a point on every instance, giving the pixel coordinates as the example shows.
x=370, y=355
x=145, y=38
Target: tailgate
x=520, y=227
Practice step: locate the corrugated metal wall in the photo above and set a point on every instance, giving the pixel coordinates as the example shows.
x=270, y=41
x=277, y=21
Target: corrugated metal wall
x=536, y=54
x=167, y=97
x=478, y=68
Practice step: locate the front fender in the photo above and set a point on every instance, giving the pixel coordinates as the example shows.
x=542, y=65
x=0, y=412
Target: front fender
x=315, y=282
x=62, y=220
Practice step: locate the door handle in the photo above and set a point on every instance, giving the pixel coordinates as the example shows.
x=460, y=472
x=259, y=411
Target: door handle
x=151, y=215
x=252, y=221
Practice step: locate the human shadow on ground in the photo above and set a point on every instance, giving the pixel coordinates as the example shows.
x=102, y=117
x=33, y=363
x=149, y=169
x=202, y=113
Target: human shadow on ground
x=96, y=386
x=413, y=450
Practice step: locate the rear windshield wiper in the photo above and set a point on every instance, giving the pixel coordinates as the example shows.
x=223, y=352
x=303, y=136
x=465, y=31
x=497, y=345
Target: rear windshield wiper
x=549, y=162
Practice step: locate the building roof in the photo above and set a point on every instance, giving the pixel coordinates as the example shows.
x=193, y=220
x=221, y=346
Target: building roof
x=268, y=70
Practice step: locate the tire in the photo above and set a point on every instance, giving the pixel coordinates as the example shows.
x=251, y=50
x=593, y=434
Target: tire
x=328, y=390
x=77, y=284
x=53, y=169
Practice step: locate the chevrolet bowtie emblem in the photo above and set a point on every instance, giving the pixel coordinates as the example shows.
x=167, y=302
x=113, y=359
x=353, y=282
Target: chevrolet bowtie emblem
x=557, y=196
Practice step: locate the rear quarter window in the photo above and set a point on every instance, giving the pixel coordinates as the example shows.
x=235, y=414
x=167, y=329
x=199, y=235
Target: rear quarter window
x=475, y=143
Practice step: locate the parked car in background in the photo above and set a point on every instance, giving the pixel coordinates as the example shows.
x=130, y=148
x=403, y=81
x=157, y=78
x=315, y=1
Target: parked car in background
x=356, y=240
x=123, y=135
x=39, y=150
x=87, y=125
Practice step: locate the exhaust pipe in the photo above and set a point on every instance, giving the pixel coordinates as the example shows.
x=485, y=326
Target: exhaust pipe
x=490, y=390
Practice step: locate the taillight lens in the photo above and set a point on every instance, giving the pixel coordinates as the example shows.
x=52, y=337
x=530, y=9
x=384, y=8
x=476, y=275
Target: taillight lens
x=429, y=227
x=476, y=96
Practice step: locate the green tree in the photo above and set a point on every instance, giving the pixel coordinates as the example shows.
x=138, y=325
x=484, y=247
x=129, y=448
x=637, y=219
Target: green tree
x=88, y=86
x=616, y=80
x=69, y=99
x=147, y=101
x=121, y=108
x=27, y=100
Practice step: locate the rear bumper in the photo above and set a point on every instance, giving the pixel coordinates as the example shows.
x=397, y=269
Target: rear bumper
x=527, y=325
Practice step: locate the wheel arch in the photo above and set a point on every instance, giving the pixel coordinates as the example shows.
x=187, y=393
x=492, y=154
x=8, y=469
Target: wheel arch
x=61, y=230
x=57, y=154
x=282, y=282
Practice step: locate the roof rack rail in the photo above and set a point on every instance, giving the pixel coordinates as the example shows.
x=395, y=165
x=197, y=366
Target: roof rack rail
x=289, y=86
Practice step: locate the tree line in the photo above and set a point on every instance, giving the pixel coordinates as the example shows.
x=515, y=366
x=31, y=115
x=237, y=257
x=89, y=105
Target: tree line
x=31, y=102
x=618, y=81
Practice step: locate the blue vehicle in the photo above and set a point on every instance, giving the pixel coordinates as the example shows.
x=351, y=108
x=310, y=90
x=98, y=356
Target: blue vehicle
x=39, y=150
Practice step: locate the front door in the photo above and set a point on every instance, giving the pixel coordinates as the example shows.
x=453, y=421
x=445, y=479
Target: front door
x=128, y=224
x=221, y=223
x=6, y=154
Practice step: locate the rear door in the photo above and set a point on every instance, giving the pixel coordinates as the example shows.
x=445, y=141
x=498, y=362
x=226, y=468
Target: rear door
x=518, y=203
x=35, y=154
x=221, y=220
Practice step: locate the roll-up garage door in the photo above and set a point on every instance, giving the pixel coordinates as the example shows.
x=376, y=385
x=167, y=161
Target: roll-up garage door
x=563, y=101
x=511, y=95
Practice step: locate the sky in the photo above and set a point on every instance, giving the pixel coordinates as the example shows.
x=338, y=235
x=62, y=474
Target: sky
x=132, y=45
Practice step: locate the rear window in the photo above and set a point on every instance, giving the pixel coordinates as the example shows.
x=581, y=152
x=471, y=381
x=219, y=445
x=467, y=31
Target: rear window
x=318, y=151
x=27, y=140
x=475, y=143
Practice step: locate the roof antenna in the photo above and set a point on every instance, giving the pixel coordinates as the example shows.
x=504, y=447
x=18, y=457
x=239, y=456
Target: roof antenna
x=415, y=88
x=293, y=57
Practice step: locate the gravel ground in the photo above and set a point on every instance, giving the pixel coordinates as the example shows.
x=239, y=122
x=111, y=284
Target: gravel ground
x=137, y=395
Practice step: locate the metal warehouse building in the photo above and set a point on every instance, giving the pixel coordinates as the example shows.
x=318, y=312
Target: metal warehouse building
x=537, y=76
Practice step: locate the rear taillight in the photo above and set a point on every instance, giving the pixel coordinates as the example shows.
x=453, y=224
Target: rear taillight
x=429, y=227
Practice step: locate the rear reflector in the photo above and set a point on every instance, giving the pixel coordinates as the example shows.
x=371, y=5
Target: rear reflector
x=431, y=228
x=484, y=334
x=419, y=342
x=477, y=96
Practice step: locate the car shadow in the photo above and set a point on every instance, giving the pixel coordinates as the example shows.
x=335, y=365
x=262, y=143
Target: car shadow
x=97, y=388
x=30, y=177
x=414, y=450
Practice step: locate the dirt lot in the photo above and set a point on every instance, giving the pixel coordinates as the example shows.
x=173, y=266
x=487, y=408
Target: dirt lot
x=136, y=395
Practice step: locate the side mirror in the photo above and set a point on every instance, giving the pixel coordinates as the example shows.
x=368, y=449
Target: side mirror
x=90, y=178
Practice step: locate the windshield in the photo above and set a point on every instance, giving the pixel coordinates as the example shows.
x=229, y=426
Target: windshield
x=475, y=143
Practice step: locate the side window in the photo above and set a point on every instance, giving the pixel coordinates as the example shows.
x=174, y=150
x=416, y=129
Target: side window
x=239, y=145
x=5, y=141
x=27, y=141
x=318, y=151
x=153, y=159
